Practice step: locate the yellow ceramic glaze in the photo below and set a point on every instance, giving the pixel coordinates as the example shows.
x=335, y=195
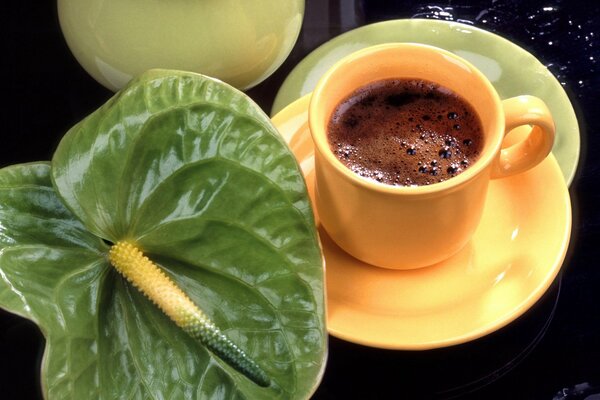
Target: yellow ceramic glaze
x=238, y=41
x=519, y=157
x=513, y=257
x=413, y=227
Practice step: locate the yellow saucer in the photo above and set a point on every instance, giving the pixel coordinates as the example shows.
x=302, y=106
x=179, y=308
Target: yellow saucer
x=511, y=261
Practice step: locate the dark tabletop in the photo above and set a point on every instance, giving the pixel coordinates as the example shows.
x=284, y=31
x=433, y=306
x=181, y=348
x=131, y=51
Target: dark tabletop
x=550, y=352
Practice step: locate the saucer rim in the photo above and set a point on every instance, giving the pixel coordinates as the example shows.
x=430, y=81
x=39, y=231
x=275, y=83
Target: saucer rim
x=568, y=161
x=536, y=293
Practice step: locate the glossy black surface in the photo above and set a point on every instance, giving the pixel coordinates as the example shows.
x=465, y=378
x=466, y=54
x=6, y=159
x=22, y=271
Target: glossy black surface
x=552, y=351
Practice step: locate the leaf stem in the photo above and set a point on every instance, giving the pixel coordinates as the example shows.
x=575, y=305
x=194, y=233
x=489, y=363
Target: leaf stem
x=164, y=293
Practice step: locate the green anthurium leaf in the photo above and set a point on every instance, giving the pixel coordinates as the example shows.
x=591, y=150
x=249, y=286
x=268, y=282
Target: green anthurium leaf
x=192, y=173
x=51, y=271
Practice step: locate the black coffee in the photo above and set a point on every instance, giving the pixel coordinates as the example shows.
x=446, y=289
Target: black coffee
x=405, y=132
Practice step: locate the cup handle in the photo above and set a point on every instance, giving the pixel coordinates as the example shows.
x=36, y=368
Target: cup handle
x=527, y=153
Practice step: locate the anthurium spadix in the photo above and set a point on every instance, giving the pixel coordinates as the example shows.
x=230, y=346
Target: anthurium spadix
x=168, y=251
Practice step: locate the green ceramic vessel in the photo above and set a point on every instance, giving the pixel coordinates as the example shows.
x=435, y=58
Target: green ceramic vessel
x=240, y=42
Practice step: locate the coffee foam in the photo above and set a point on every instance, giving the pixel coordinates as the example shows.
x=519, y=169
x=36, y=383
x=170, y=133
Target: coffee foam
x=405, y=132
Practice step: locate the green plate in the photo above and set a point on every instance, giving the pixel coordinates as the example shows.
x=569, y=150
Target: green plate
x=512, y=70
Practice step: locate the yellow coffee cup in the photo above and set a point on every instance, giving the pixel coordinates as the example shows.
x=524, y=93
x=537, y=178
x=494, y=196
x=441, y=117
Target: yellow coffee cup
x=405, y=227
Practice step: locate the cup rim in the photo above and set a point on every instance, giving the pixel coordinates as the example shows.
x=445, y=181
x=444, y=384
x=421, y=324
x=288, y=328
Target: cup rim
x=322, y=146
